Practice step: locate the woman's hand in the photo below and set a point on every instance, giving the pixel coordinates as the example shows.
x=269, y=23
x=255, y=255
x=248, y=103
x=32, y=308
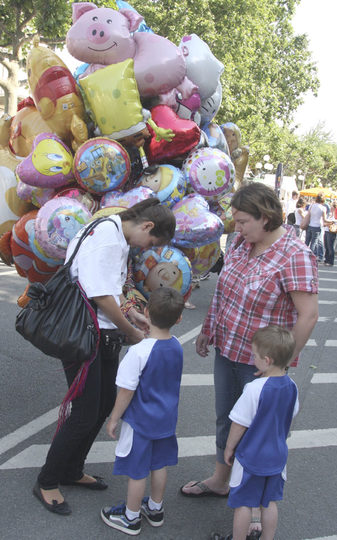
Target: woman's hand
x=135, y=337
x=202, y=345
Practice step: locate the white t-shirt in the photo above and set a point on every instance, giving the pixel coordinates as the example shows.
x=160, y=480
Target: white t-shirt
x=316, y=213
x=101, y=263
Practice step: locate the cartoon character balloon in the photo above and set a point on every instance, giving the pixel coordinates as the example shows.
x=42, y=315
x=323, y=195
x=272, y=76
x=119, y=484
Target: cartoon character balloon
x=209, y=172
x=49, y=165
x=36, y=195
x=57, y=222
x=201, y=65
x=167, y=182
x=104, y=36
x=163, y=267
x=101, y=165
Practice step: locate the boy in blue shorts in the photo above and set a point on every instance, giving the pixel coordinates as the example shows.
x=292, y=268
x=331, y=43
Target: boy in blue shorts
x=149, y=379
x=261, y=421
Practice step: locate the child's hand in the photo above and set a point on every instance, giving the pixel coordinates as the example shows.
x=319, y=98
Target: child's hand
x=229, y=456
x=111, y=428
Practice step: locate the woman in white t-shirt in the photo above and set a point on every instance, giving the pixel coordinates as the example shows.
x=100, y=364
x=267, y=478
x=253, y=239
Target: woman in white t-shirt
x=101, y=268
x=299, y=215
x=317, y=219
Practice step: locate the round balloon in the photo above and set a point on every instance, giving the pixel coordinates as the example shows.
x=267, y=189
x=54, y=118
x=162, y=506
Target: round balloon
x=167, y=182
x=80, y=195
x=101, y=165
x=57, y=222
x=203, y=258
x=209, y=172
x=127, y=199
x=162, y=267
x=195, y=224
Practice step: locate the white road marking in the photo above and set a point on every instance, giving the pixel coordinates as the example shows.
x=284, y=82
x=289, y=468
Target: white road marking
x=10, y=273
x=331, y=343
x=104, y=451
x=28, y=430
x=327, y=290
x=311, y=343
x=324, y=378
x=190, y=335
x=198, y=379
x=327, y=302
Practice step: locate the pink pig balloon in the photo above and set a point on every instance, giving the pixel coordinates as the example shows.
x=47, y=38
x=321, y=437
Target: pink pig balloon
x=104, y=36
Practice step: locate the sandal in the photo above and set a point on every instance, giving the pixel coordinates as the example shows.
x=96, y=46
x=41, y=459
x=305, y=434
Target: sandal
x=205, y=491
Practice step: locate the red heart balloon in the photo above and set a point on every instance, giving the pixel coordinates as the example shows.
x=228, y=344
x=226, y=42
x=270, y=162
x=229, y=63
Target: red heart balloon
x=187, y=136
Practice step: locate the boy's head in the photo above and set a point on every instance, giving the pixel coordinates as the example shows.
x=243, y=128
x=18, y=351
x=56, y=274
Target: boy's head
x=276, y=343
x=165, y=307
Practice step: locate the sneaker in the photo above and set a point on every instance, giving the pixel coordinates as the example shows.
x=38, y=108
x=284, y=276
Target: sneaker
x=154, y=517
x=115, y=517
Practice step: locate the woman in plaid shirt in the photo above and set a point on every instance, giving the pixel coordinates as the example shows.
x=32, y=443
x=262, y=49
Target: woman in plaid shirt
x=269, y=277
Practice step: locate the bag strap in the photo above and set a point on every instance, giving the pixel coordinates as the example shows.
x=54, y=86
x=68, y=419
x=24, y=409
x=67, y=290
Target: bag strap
x=87, y=232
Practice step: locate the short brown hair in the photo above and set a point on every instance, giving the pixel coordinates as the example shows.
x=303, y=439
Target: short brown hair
x=165, y=306
x=151, y=210
x=275, y=342
x=259, y=201
x=320, y=198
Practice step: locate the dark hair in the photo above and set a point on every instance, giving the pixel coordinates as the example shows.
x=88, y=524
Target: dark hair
x=300, y=203
x=151, y=210
x=259, y=201
x=275, y=342
x=165, y=307
x=294, y=193
x=320, y=198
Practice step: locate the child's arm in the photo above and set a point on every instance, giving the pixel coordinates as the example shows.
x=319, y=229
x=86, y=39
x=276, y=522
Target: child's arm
x=235, y=434
x=123, y=400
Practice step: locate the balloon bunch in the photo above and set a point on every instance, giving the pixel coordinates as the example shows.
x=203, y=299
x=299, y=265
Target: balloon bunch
x=135, y=121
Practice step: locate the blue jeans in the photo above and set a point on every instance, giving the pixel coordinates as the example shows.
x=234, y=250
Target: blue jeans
x=312, y=238
x=229, y=381
x=329, y=245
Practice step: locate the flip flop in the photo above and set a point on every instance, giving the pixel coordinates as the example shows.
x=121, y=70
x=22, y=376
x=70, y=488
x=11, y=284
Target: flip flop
x=205, y=491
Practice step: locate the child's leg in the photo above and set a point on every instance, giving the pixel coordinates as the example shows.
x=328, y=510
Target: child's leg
x=242, y=517
x=136, y=490
x=269, y=517
x=158, y=484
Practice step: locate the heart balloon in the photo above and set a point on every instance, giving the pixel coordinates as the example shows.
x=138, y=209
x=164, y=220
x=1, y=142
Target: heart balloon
x=195, y=224
x=80, y=195
x=186, y=136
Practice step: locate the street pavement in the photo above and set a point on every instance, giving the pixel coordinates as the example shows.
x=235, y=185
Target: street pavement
x=32, y=386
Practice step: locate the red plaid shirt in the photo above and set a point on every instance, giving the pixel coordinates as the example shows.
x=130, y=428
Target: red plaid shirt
x=253, y=293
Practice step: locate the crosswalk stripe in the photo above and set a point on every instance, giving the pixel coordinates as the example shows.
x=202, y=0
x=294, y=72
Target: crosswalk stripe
x=324, y=378
x=327, y=302
x=103, y=451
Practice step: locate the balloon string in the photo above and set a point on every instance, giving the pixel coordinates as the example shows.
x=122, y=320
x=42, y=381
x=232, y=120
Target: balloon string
x=143, y=157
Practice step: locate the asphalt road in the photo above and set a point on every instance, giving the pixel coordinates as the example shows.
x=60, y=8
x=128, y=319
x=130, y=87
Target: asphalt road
x=32, y=385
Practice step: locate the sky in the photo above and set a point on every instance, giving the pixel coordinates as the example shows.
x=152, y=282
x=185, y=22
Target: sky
x=318, y=19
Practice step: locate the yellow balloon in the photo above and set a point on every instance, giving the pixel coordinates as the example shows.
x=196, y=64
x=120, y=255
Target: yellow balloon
x=113, y=97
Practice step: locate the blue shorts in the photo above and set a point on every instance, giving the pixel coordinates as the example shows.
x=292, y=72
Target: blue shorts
x=147, y=455
x=255, y=491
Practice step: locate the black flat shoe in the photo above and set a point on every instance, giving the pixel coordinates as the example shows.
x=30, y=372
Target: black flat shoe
x=63, y=508
x=99, y=485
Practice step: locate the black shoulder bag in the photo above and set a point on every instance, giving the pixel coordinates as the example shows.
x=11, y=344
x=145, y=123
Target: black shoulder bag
x=59, y=319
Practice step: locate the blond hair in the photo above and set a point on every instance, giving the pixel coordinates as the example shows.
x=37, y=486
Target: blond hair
x=275, y=342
